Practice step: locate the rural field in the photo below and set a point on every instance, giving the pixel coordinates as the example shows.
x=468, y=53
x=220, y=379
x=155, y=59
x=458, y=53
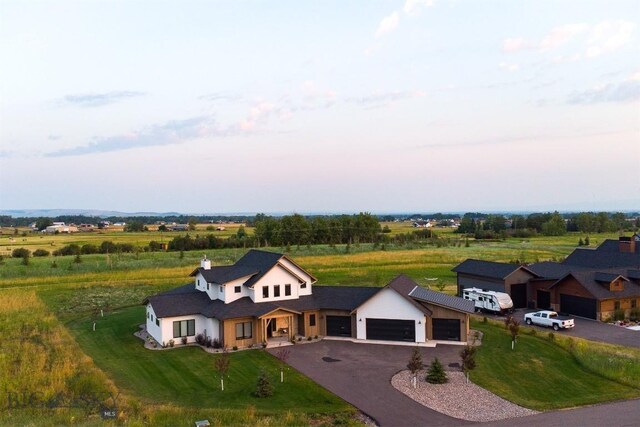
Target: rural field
x=49, y=346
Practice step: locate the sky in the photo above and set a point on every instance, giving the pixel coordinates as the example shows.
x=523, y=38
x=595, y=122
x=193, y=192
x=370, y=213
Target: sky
x=320, y=106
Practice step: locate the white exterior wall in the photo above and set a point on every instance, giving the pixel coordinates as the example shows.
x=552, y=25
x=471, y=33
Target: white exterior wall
x=388, y=304
x=300, y=273
x=230, y=294
x=152, y=328
x=202, y=323
x=277, y=276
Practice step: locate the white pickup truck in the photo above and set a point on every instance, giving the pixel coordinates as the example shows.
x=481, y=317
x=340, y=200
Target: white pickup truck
x=550, y=319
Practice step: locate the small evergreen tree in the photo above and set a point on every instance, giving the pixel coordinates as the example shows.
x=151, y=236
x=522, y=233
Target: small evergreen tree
x=436, y=373
x=586, y=241
x=77, y=259
x=580, y=242
x=415, y=364
x=263, y=388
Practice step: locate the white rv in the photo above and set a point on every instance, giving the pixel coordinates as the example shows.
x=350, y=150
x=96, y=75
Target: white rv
x=497, y=302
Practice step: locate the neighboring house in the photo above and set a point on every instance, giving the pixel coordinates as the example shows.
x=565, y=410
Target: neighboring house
x=60, y=227
x=422, y=224
x=266, y=296
x=591, y=283
x=495, y=276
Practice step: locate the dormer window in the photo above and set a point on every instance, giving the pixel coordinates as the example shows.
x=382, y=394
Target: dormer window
x=276, y=291
x=265, y=292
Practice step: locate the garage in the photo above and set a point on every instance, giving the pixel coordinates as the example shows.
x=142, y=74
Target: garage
x=391, y=330
x=446, y=329
x=339, y=326
x=519, y=295
x=543, y=299
x=578, y=306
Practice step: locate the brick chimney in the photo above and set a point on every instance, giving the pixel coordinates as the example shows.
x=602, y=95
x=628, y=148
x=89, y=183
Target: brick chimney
x=205, y=263
x=627, y=244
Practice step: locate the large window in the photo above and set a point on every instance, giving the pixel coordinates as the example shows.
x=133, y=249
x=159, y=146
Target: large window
x=243, y=330
x=276, y=291
x=287, y=290
x=265, y=292
x=184, y=328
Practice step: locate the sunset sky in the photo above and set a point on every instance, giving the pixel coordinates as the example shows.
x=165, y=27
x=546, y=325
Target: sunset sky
x=320, y=106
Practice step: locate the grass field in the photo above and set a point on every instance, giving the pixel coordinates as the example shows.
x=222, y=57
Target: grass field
x=542, y=375
x=46, y=312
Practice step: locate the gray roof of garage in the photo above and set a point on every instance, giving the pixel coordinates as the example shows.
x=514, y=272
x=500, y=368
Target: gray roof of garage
x=444, y=300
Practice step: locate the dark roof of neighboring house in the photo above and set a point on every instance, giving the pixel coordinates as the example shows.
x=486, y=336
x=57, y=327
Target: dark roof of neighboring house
x=607, y=255
x=187, y=300
x=594, y=283
x=255, y=263
x=495, y=270
x=552, y=270
x=444, y=300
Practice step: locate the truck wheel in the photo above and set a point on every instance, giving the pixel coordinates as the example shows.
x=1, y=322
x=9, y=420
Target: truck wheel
x=555, y=327
x=529, y=322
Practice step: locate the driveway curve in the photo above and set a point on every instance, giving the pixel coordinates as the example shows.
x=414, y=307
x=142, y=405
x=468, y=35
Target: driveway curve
x=361, y=375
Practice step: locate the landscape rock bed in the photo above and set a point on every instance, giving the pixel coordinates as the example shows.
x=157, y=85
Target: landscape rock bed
x=458, y=399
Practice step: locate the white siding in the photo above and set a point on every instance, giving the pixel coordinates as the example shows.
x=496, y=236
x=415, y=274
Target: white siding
x=202, y=323
x=300, y=273
x=388, y=304
x=152, y=328
x=277, y=276
x=230, y=294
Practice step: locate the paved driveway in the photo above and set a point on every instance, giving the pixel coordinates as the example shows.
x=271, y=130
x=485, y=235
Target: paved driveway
x=361, y=375
x=591, y=330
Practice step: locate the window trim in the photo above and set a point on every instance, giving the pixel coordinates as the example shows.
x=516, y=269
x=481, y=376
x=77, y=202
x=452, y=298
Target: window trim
x=243, y=328
x=184, y=328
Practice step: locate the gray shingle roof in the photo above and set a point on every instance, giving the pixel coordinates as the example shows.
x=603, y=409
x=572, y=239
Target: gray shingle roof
x=607, y=255
x=495, y=270
x=552, y=270
x=187, y=300
x=444, y=300
x=598, y=288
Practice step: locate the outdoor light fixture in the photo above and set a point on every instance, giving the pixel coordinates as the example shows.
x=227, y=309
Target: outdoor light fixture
x=360, y=320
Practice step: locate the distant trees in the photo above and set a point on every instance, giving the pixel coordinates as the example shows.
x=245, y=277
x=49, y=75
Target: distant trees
x=135, y=226
x=42, y=223
x=555, y=226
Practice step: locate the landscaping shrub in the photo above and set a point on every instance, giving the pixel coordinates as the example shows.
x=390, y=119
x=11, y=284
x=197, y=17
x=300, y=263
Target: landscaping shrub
x=436, y=373
x=171, y=343
x=184, y=340
x=309, y=338
x=215, y=343
x=89, y=249
x=235, y=348
x=200, y=339
x=207, y=342
x=20, y=253
x=634, y=314
x=618, y=314
x=41, y=252
x=264, y=387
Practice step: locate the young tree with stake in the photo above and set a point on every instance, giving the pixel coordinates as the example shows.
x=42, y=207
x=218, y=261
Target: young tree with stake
x=468, y=356
x=222, y=363
x=415, y=364
x=283, y=355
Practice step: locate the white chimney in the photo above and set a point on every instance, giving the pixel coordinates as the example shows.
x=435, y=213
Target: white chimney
x=205, y=263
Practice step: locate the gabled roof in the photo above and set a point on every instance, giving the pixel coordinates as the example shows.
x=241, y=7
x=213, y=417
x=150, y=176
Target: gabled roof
x=552, y=270
x=607, y=255
x=443, y=300
x=600, y=276
x=588, y=280
x=187, y=300
x=491, y=269
x=253, y=265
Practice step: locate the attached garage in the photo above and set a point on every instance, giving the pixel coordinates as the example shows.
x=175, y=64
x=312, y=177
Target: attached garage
x=391, y=330
x=519, y=295
x=543, y=299
x=339, y=326
x=446, y=329
x=579, y=306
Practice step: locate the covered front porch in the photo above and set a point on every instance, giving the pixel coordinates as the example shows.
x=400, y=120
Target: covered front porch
x=279, y=326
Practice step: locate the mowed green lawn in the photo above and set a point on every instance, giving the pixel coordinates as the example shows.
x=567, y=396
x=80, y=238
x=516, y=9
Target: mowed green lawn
x=187, y=376
x=539, y=374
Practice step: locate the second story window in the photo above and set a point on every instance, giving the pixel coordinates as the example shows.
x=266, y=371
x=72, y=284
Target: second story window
x=287, y=290
x=221, y=288
x=303, y=285
x=276, y=291
x=237, y=289
x=265, y=292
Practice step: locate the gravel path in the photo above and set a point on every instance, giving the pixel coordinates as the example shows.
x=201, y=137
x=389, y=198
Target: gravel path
x=458, y=399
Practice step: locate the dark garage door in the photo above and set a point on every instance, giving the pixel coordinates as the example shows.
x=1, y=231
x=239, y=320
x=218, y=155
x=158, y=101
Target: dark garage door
x=339, y=326
x=391, y=330
x=519, y=295
x=446, y=329
x=543, y=299
x=580, y=306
